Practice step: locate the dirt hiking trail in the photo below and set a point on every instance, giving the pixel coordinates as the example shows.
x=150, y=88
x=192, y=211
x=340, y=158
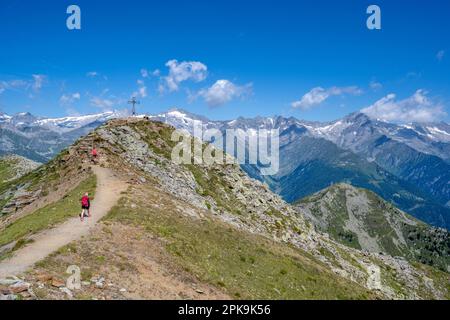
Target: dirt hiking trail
x=48, y=241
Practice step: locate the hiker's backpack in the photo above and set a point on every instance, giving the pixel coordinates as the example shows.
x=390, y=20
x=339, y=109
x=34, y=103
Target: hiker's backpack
x=85, y=201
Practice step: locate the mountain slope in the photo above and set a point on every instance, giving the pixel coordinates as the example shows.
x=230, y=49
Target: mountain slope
x=360, y=219
x=225, y=229
x=13, y=167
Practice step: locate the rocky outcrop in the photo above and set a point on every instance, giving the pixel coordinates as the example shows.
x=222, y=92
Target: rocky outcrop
x=14, y=289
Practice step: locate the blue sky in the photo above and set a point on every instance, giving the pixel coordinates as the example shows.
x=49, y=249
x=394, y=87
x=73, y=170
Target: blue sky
x=314, y=60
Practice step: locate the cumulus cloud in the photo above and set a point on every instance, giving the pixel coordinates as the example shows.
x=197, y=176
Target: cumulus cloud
x=417, y=108
x=182, y=71
x=224, y=91
x=69, y=99
x=318, y=95
x=440, y=55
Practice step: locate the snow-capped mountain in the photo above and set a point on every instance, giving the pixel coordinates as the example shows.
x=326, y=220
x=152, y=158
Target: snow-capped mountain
x=350, y=132
x=61, y=125
x=40, y=139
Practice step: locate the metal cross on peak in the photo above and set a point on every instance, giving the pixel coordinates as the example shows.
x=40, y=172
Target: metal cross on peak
x=134, y=102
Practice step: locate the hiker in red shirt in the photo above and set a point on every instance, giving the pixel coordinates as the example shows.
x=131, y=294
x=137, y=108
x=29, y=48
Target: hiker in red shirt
x=94, y=155
x=85, y=207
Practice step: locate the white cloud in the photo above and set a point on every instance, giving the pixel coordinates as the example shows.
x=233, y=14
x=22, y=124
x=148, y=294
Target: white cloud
x=101, y=103
x=13, y=84
x=375, y=85
x=417, y=108
x=38, y=81
x=440, y=55
x=144, y=73
x=69, y=99
x=18, y=83
x=92, y=74
x=318, y=95
x=142, y=90
x=224, y=91
x=183, y=71
x=96, y=75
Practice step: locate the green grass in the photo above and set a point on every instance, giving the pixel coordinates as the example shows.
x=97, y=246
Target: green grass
x=6, y=171
x=159, y=141
x=246, y=266
x=51, y=215
x=210, y=184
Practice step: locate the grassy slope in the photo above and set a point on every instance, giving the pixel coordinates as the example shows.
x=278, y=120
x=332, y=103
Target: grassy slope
x=6, y=173
x=48, y=216
x=246, y=266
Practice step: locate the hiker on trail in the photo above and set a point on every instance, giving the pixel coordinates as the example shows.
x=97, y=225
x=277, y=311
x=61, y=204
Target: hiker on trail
x=85, y=207
x=94, y=155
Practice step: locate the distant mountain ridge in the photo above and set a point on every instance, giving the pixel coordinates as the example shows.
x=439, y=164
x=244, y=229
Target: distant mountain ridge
x=406, y=164
x=40, y=139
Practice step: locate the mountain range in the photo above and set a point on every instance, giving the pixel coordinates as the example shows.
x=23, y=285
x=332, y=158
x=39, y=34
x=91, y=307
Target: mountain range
x=408, y=165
